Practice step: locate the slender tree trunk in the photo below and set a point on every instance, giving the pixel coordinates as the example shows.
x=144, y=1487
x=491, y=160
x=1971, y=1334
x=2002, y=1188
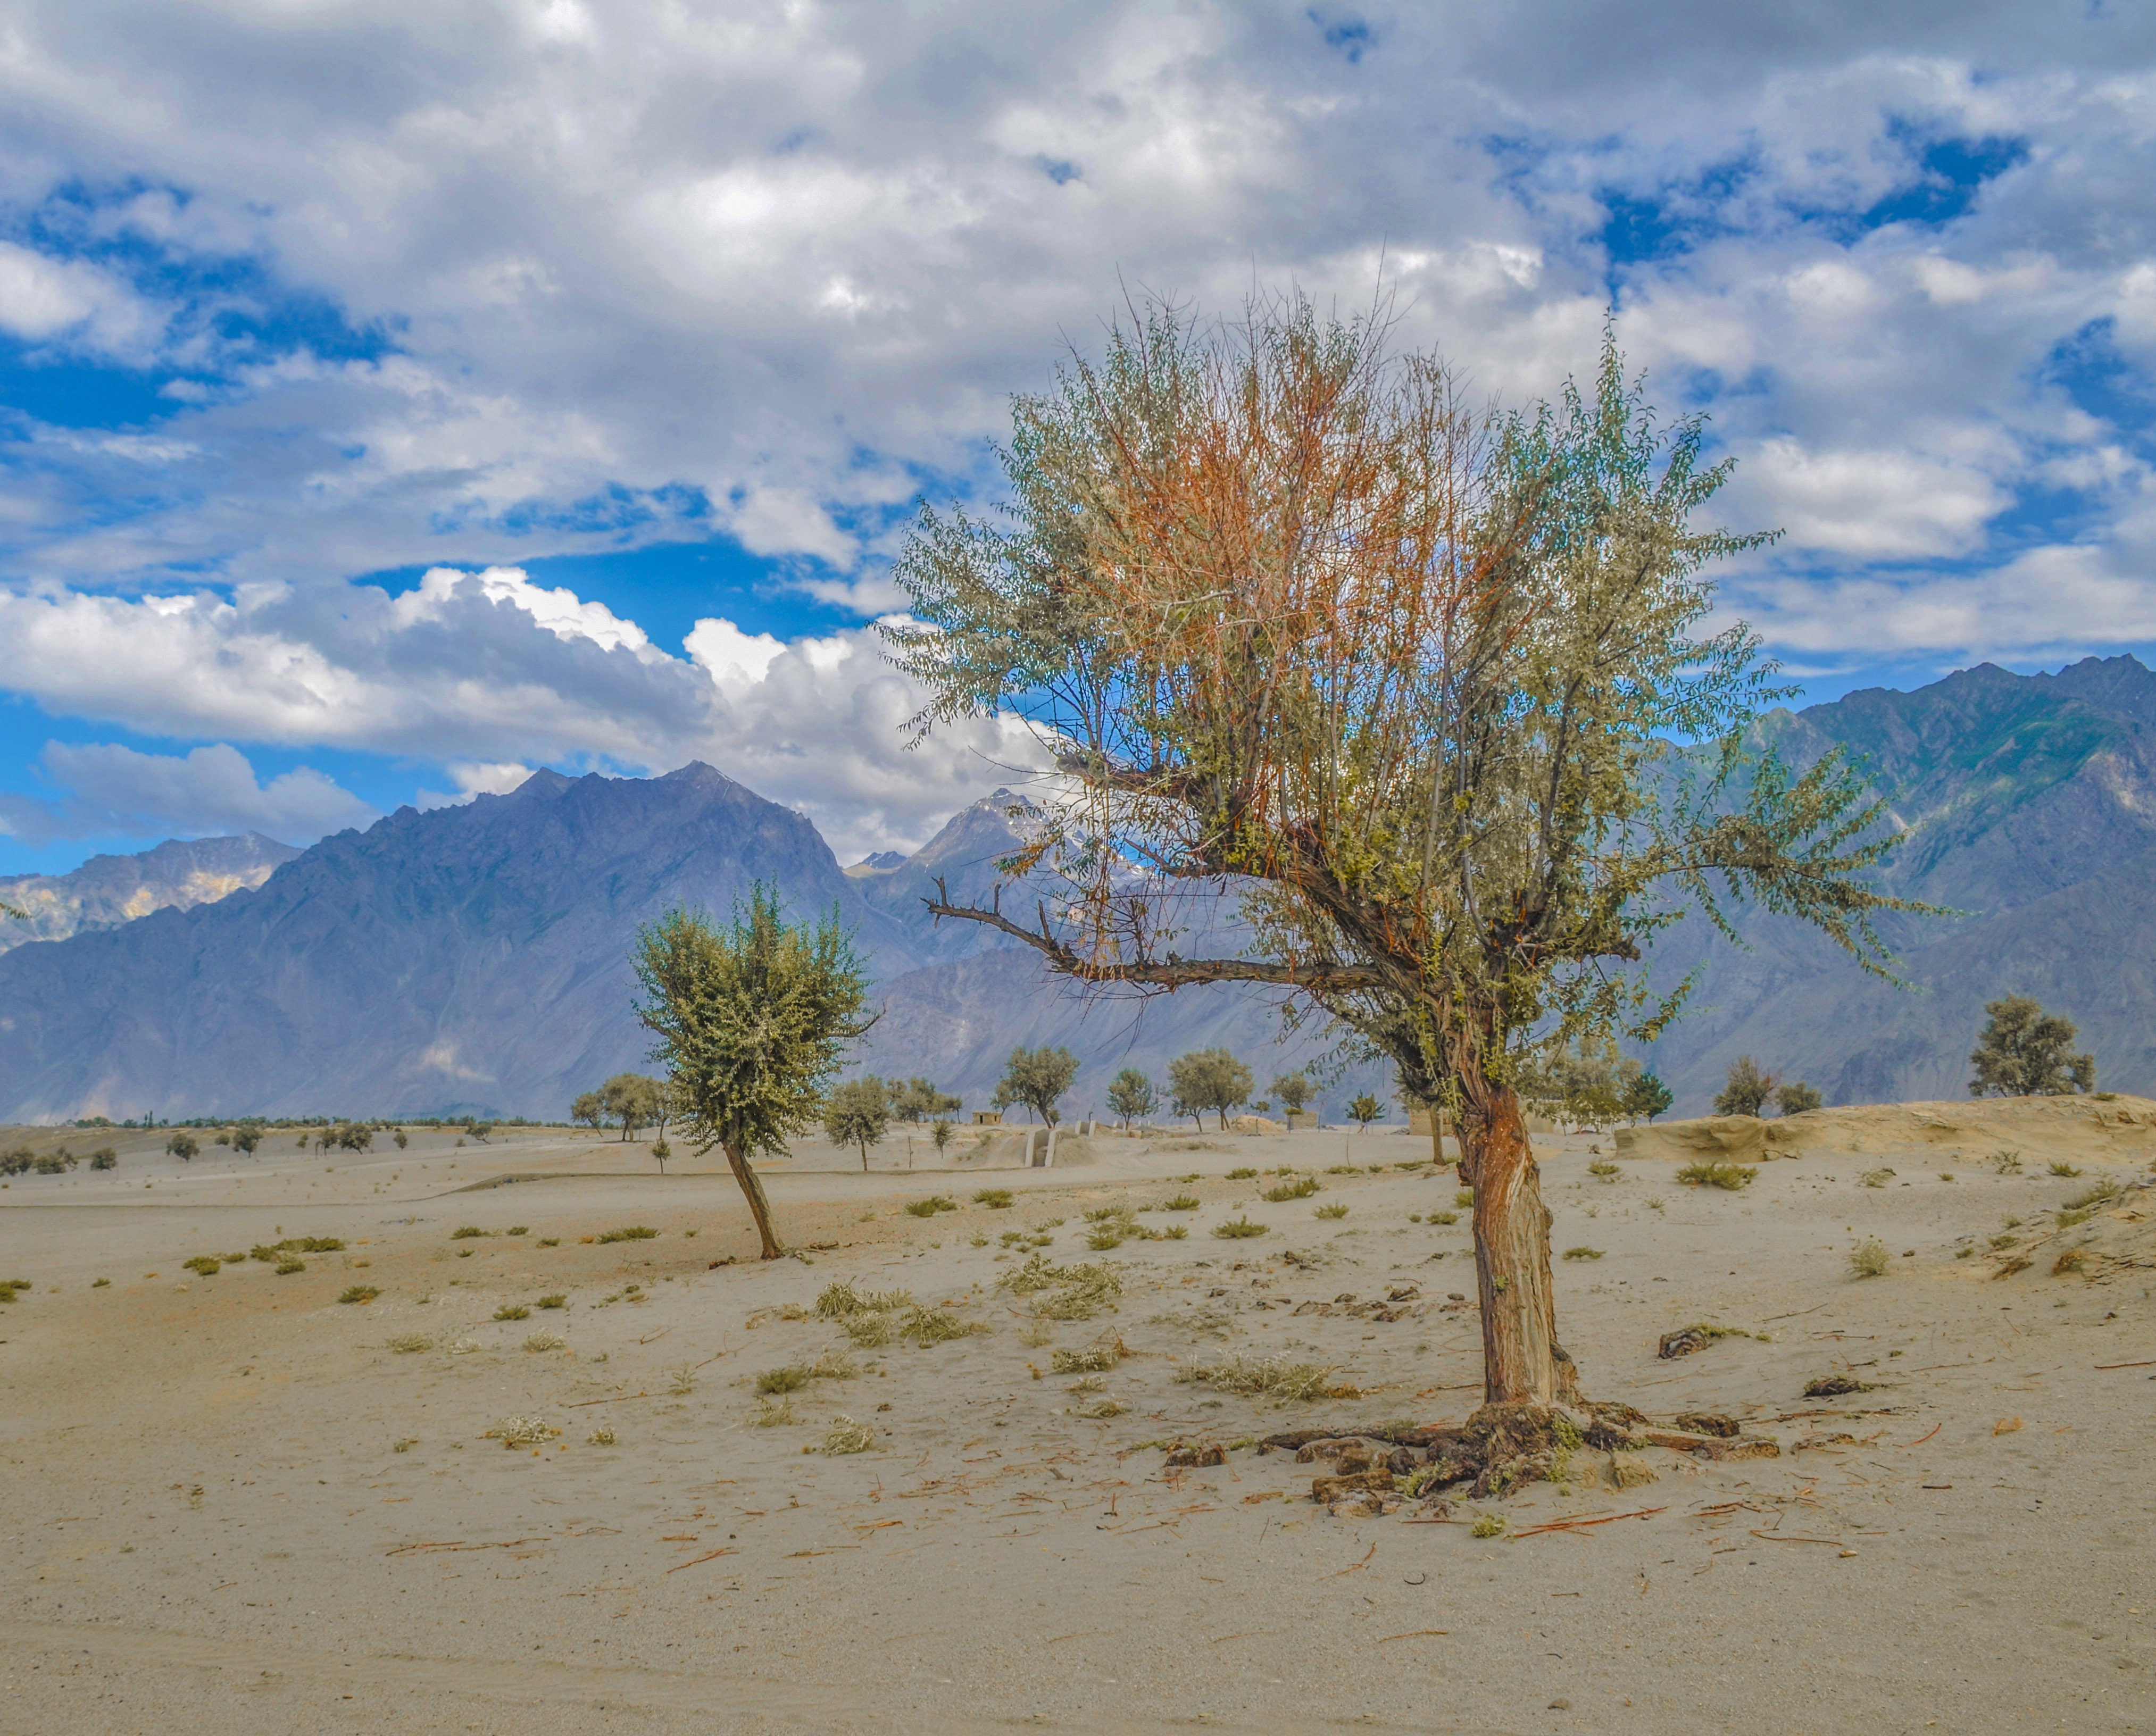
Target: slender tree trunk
x=759, y=1207
x=864, y=1157
x=1522, y=1359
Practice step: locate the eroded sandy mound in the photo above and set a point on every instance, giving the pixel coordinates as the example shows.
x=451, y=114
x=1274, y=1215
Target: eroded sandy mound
x=2117, y=1129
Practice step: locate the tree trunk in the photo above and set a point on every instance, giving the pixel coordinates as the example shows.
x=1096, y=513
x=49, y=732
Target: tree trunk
x=864, y=1157
x=1522, y=1359
x=759, y=1207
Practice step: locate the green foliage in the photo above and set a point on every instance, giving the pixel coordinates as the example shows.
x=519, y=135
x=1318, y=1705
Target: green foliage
x=930, y=1206
x=1332, y=1211
x=204, y=1265
x=2025, y=1052
x=1242, y=1173
x=1294, y=1090
x=1301, y=1188
x=629, y=1232
x=1747, y=1089
x=359, y=1292
x=1036, y=1079
x=1645, y=1098
x=1209, y=1079
x=918, y=1100
x=1868, y=1258
x=246, y=1137
x=858, y=1114
x=104, y=1158
x=634, y=1100
x=589, y=1107
x=1130, y=1095
x=1364, y=1109
x=183, y=1145
x=465, y=1232
x=1798, y=1098
x=1585, y=1085
x=996, y=1199
x=751, y=1019
x=1237, y=1227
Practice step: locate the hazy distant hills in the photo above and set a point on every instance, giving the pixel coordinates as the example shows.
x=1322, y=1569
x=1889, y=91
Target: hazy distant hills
x=475, y=958
x=2029, y=803
x=109, y=890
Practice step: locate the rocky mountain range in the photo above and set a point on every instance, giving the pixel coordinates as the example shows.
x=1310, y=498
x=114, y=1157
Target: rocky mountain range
x=109, y=890
x=474, y=959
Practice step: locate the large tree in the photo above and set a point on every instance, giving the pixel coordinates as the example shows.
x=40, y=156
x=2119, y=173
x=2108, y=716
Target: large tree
x=752, y=1019
x=1209, y=1079
x=1037, y=1078
x=1427, y=683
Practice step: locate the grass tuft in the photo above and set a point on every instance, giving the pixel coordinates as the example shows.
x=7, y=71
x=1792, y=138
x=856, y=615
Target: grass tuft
x=1717, y=1173
x=1583, y=1254
x=1332, y=1211
x=360, y=1293
x=1868, y=1258
x=463, y=1232
x=1237, y=1227
x=930, y=1206
x=600, y=1436
x=1607, y=1171
x=629, y=1232
x=1103, y=1354
x=996, y=1199
x=546, y=1341
x=512, y=1311
x=1182, y=1202
x=1244, y=1174
x=553, y=1301
x=927, y=1326
x=1465, y=1199
x=514, y=1431
x=846, y=1435
x=1301, y=1188
x=2063, y=1169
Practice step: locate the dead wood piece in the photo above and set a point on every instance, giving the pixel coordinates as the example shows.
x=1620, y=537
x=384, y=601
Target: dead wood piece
x=1709, y=1422
x=1831, y=1387
x=1812, y=1443
x=1325, y=1490
x=1425, y=1436
x=1197, y=1455
x=1682, y=1343
x=1331, y=1448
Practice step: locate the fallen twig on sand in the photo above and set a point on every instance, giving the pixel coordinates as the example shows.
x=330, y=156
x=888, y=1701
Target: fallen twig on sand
x=1771, y=1536
x=1607, y=1518
x=513, y=1542
x=1353, y=1567
x=2102, y=1366
x=1417, y=1634
x=700, y=1560
x=1921, y=1439
x=615, y=1398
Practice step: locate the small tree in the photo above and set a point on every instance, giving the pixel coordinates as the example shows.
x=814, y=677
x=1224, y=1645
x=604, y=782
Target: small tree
x=590, y=1108
x=1037, y=1078
x=750, y=1020
x=1647, y=1097
x=1746, y=1091
x=398, y=1136
x=1294, y=1089
x=480, y=1131
x=182, y=1145
x=858, y=1113
x=1362, y=1110
x=1209, y=1080
x=660, y=1151
x=2025, y=1052
x=1794, y=1100
x=1130, y=1096
x=940, y=1131
x=634, y=1100
x=918, y=1100
x=245, y=1138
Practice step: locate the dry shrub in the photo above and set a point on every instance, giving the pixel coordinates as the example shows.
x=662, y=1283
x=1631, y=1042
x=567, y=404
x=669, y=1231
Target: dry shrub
x=846, y=1435
x=1237, y=1227
x=1301, y=1188
x=1717, y=1173
x=1242, y=1175
x=360, y=1293
x=790, y=1379
x=1103, y=1353
x=996, y=1199
x=1101, y=1410
x=1332, y=1212
x=1868, y=1258
x=512, y=1311
x=769, y=1415
x=841, y=1299
x=546, y=1341
x=1182, y=1202
x=513, y=1432
x=410, y=1344
x=2102, y=1194
x=1583, y=1254
x=1258, y=1376
x=1607, y=1171
x=464, y=1347
x=927, y=1326
x=2072, y=1260
x=629, y=1232
x=552, y=1301
x=600, y=1436
x=870, y=1332
x=1064, y=1292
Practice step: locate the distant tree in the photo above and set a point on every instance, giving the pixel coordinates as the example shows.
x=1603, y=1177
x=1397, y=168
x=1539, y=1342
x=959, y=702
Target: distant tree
x=182, y=1145
x=1209, y=1079
x=2025, y=1052
x=1647, y=1097
x=398, y=1136
x=590, y=1108
x=750, y=1020
x=858, y=1113
x=1294, y=1090
x=1364, y=1109
x=660, y=1151
x=1794, y=1100
x=349, y=1136
x=1747, y=1090
x=1037, y=1078
x=634, y=1100
x=104, y=1158
x=245, y=1138
x=1130, y=1095
x=479, y=1130
x=918, y=1100
x=940, y=1131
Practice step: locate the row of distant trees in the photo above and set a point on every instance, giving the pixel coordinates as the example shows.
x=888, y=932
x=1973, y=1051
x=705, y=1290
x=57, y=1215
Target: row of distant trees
x=2021, y=1052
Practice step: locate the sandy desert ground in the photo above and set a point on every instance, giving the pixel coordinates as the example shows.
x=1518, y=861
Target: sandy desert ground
x=232, y=1505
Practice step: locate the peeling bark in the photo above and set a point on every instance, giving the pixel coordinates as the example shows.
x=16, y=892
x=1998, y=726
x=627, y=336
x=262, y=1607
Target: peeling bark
x=1521, y=1361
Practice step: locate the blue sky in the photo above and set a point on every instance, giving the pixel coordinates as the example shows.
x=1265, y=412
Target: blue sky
x=394, y=399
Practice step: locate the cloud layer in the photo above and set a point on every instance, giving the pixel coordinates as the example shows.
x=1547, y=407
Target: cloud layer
x=464, y=285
